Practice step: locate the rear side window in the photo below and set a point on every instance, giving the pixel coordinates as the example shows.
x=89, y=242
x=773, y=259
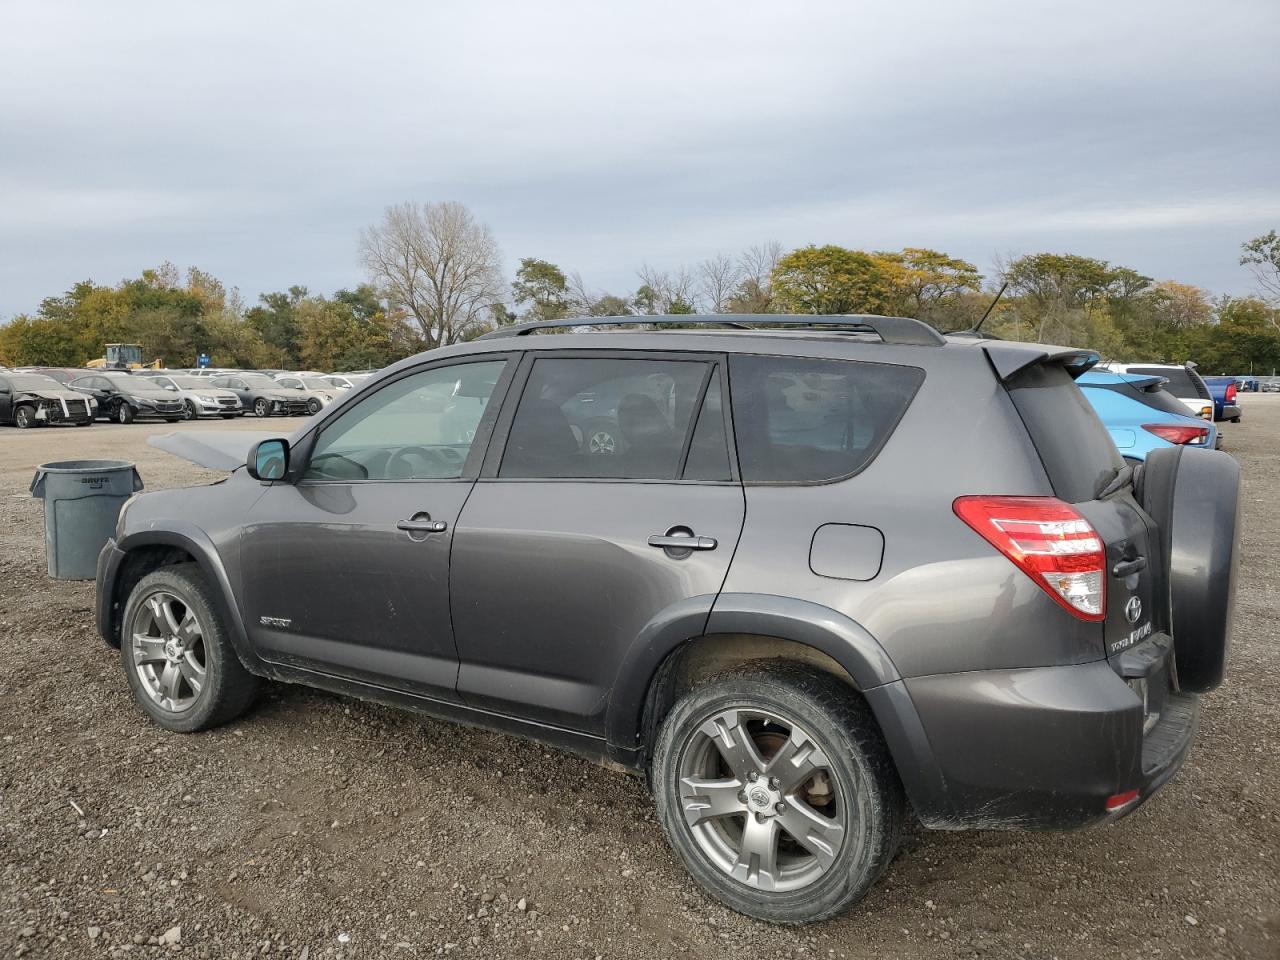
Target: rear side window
x=801, y=420
x=1181, y=382
x=603, y=418
x=1075, y=448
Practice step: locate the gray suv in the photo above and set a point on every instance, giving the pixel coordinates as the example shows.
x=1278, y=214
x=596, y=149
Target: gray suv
x=831, y=573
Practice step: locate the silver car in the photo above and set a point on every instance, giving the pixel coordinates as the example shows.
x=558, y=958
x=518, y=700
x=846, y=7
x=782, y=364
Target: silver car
x=200, y=398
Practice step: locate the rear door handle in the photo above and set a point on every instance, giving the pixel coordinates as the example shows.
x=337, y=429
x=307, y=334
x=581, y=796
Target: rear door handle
x=1126, y=568
x=683, y=543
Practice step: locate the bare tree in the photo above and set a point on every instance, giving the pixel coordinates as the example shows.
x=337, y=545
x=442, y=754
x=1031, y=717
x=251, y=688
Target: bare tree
x=719, y=276
x=439, y=264
x=754, y=293
x=668, y=290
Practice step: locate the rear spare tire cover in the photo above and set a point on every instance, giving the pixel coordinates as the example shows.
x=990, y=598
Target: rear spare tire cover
x=1194, y=497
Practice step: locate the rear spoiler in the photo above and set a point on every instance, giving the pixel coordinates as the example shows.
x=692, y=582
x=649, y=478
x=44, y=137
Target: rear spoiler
x=1010, y=359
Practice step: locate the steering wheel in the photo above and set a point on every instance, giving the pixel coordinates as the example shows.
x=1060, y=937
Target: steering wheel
x=399, y=468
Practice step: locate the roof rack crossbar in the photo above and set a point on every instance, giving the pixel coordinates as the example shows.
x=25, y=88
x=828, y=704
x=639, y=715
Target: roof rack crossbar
x=896, y=330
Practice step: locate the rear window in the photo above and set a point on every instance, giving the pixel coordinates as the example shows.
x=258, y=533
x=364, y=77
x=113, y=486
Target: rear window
x=1075, y=448
x=1181, y=382
x=800, y=420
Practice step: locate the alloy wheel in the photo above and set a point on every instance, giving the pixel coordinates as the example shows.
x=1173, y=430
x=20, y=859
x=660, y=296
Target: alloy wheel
x=602, y=442
x=761, y=799
x=167, y=642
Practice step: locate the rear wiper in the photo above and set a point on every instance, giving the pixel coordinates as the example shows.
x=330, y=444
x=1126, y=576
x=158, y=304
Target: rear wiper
x=1123, y=478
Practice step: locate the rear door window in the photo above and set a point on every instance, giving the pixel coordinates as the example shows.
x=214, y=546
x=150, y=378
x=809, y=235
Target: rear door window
x=1181, y=382
x=1078, y=453
x=802, y=420
x=605, y=418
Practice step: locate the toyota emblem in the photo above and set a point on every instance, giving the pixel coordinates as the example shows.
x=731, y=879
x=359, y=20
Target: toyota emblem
x=1133, y=610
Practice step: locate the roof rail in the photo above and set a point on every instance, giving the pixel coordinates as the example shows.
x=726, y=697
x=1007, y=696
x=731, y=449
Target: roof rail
x=898, y=330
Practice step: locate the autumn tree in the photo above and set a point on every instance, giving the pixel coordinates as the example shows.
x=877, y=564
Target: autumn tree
x=437, y=263
x=832, y=279
x=1262, y=255
x=930, y=282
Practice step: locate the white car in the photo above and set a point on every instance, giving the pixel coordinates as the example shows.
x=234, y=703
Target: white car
x=345, y=381
x=199, y=399
x=319, y=390
x=1184, y=383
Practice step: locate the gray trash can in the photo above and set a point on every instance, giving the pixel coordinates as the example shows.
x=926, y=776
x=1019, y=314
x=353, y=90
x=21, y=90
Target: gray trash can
x=82, y=499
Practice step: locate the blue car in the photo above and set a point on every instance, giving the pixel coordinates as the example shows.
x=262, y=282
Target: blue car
x=1141, y=416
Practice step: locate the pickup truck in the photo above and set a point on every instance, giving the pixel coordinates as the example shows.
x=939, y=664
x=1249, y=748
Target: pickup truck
x=1223, y=390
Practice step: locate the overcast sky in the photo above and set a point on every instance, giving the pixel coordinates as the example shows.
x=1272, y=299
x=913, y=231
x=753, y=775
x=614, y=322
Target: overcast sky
x=255, y=139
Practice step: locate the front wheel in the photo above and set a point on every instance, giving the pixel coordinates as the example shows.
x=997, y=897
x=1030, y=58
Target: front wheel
x=261, y=408
x=177, y=654
x=775, y=788
x=24, y=416
x=189, y=411
x=125, y=413
x=313, y=406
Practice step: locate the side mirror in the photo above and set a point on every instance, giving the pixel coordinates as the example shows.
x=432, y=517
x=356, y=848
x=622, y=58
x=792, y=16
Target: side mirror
x=268, y=460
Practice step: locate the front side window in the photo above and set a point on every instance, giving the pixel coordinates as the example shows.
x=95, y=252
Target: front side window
x=801, y=420
x=419, y=428
x=596, y=418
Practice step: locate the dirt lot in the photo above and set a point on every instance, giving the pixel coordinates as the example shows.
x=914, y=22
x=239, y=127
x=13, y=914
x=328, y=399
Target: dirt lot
x=318, y=827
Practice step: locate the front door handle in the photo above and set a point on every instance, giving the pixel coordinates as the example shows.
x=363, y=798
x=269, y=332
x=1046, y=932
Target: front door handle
x=420, y=524
x=687, y=542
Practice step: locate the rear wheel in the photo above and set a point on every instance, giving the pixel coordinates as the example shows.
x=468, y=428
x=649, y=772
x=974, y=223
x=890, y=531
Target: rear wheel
x=177, y=655
x=261, y=407
x=24, y=416
x=775, y=788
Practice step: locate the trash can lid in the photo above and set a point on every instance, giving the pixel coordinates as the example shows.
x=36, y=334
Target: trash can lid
x=84, y=466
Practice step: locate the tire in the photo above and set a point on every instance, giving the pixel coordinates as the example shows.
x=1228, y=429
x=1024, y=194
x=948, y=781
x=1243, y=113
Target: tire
x=24, y=416
x=227, y=689
x=778, y=700
x=189, y=411
x=1194, y=498
x=174, y=419
x=262, y=407
x=84, y=423
x=313, y=406
x=125, y=414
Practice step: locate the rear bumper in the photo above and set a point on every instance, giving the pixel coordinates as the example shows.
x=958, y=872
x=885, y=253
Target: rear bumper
x=1040, y=748
x=1228, y=411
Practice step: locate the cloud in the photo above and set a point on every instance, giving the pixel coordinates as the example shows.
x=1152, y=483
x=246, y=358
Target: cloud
x=256, y=139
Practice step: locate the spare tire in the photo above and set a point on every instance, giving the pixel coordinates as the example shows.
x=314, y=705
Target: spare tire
x=1194, y=498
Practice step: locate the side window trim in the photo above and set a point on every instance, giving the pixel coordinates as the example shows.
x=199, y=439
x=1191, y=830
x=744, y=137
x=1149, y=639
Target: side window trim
x=506, y=416
x=712, y=370
x=479, y=445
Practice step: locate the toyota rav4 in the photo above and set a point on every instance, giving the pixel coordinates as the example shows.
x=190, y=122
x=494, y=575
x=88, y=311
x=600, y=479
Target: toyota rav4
x=828, y=573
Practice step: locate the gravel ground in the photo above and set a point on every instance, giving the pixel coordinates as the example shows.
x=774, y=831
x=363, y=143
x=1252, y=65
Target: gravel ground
x=323, y=827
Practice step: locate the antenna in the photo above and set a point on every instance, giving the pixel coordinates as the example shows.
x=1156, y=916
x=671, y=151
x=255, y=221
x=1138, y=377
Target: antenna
x=978, y=326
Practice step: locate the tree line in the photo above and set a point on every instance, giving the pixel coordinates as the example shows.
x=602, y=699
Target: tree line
x=435, y=277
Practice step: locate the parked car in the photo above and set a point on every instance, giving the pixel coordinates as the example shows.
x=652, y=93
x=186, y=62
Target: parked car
x=346, y=381
x=32, y=400
x=265, y=397
x=124, y=398
x=199, y=397
x=63, y=375
x=1224, y=390
x=319, y=390
x=1141, y=416
x=759, y=600
x=1184, y=383
x=1270, y=385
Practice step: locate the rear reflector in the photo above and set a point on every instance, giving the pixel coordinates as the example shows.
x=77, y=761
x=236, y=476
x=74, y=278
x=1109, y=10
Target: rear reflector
x=1117, y=802
x=1175, y=433
x=1052, y=544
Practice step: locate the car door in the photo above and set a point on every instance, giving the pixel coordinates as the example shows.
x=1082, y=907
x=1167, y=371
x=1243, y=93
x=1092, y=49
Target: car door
x=568, y=549
x=346, y=568
x=6, y=400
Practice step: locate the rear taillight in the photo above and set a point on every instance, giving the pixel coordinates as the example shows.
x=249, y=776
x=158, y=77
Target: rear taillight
x=1053, y=544
x=1231, y=393
x=1178, y=434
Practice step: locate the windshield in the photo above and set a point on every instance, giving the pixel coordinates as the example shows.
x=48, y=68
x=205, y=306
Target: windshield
x=261, y=381
x=191, y=383
x=33, y=381
x=317, y=383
